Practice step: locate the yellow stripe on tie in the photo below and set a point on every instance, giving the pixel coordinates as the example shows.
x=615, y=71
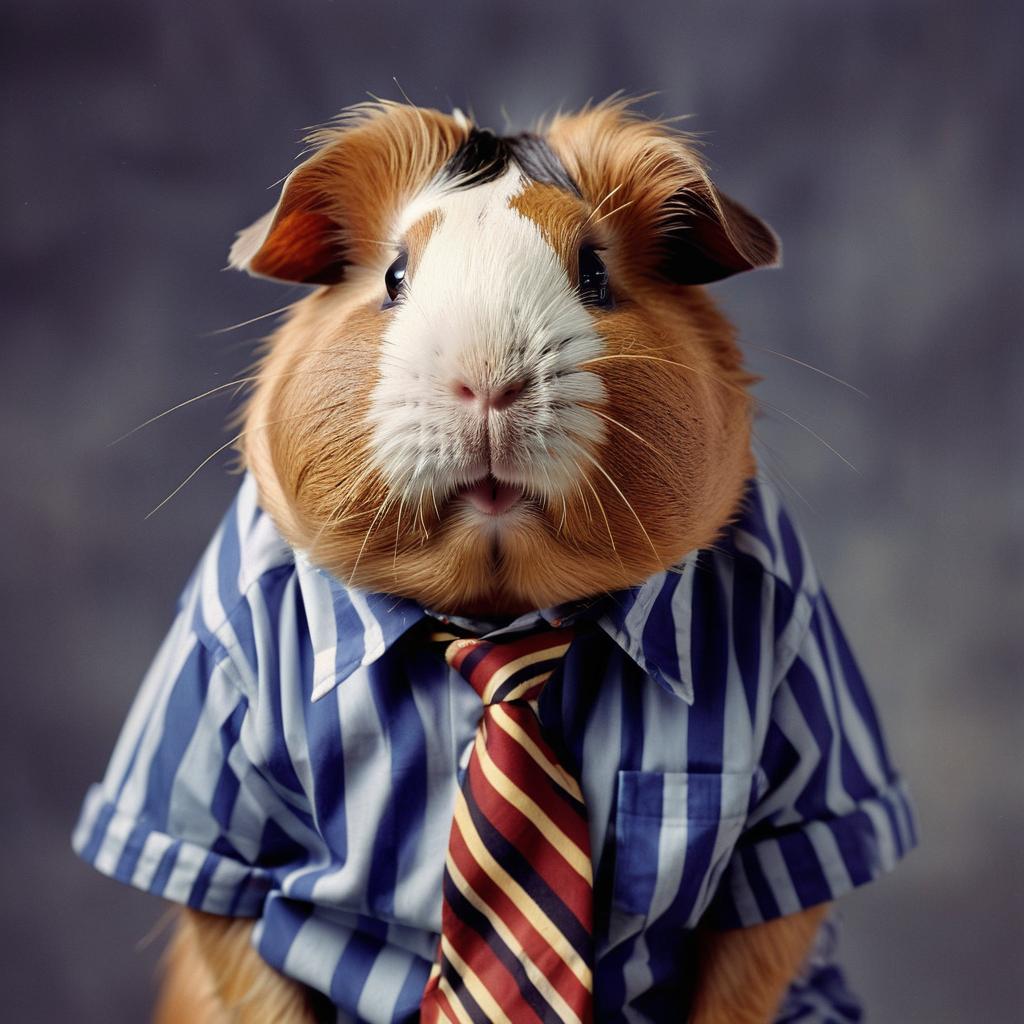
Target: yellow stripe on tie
x=533, y=972
x=455, y=644
x=501, y=675
x=534, y=813
x=555, y=771
x=453, y=1001
x=476, y=988
x=525, y=903
x=442, y=636
x=517, y=692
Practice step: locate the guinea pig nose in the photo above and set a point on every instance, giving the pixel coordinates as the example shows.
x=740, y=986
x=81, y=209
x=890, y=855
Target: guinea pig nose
x=489, y=398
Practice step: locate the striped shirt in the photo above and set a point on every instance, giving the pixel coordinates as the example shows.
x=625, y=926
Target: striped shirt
x=294, y=753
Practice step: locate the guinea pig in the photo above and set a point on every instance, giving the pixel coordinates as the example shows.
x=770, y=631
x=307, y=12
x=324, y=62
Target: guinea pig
x=511, y=394
x=508, y=402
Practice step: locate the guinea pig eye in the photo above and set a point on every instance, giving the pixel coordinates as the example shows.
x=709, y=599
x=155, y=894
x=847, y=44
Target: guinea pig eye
x=593, y=278
x=394, y=277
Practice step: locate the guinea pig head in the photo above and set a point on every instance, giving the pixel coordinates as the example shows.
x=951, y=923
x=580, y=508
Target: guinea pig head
x=510, y=389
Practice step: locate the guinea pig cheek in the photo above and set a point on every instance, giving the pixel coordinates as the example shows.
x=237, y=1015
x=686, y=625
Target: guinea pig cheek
x=307, y=436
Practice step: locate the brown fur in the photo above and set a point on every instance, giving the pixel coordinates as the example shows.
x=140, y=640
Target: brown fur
x=417, y=236
x=677, y=415
x=744, y=972
x=666, y=481
x=563, y=221
x=633, y=163
x=212, y=975
x=367, y=164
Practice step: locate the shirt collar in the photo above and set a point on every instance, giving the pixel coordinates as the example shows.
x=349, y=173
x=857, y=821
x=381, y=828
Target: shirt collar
x=650, y=622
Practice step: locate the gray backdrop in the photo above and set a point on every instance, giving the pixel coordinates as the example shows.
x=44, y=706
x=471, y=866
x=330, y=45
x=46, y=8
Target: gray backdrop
x=879, y=138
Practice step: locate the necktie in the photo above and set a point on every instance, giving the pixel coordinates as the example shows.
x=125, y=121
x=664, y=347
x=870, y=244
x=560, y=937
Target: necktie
x=516, y=920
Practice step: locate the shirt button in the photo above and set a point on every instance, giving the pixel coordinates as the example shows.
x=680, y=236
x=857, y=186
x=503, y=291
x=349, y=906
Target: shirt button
x=556, y=623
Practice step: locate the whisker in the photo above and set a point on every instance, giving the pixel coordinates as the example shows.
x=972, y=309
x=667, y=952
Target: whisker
x=350, y=493
x=409, y=294
x=629, y=430
x=813, y=433
x=618, y=209
x=423, y=522
x=600, y=204
x=711, y=377
x=583, y=499
x=161, y=925
x=561, y=495
x=816, y=369
x=731, y=386
x=238, y=437
x=604, y=515
x=626, y=501
x=419, y=113
x=208, y=459
x=362, y=547
x=565, y=509
x=246, y=323
x=767, y=452
x=181, y=405
x=398, y=531
x=240, y=382
x=372, y=241
x=661, y=359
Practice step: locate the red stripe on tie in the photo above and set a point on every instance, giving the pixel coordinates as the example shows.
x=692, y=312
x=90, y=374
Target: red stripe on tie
x=548, y=863
x=534, y=944
x=445, y=1013
x=538, y=905
x=504, y=654
x=530, y=777
x=463, y=652
x=491, y=971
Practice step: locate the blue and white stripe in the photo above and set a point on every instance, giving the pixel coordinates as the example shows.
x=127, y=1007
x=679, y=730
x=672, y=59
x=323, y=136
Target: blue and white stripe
x=293, y=756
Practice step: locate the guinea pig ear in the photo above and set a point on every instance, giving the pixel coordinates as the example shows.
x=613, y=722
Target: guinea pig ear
x=656, y=197
x=706, y=236
x=296, y=240
x=336, y=207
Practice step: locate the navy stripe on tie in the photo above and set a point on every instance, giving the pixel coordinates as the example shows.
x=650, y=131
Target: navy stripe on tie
x=469, y=1004
x=468, y=914
x=522, y=871
x=575, y=804
x=474, y=657
x=535, y=671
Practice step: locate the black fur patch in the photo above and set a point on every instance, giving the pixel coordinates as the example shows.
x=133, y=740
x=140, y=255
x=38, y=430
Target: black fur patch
x=484, y=156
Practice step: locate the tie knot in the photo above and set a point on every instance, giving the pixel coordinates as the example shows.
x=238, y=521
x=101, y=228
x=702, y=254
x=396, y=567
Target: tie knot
x=506, y=670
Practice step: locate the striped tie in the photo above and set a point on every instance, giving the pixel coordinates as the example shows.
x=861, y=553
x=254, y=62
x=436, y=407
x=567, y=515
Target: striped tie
x=516, y=919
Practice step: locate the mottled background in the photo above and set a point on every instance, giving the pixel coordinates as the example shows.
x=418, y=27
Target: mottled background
x=883, y=142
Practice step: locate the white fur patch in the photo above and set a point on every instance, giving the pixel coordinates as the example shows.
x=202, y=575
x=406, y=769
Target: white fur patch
x=489, y=304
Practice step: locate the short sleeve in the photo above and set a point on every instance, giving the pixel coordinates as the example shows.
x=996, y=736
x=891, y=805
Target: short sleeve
x=183, y=811
x=831, y=812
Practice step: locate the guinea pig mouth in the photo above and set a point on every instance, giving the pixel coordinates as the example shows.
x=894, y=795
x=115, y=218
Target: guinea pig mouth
x=490, y=496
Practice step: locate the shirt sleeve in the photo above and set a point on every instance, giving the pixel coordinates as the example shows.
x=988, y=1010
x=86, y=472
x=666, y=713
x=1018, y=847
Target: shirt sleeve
x=183, y=810
x=831, y=812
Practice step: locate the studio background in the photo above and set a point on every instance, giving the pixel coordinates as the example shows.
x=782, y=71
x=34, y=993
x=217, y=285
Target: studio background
x=880, y=139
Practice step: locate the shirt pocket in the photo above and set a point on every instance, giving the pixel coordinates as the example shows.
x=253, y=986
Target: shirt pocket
x=674, y=832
